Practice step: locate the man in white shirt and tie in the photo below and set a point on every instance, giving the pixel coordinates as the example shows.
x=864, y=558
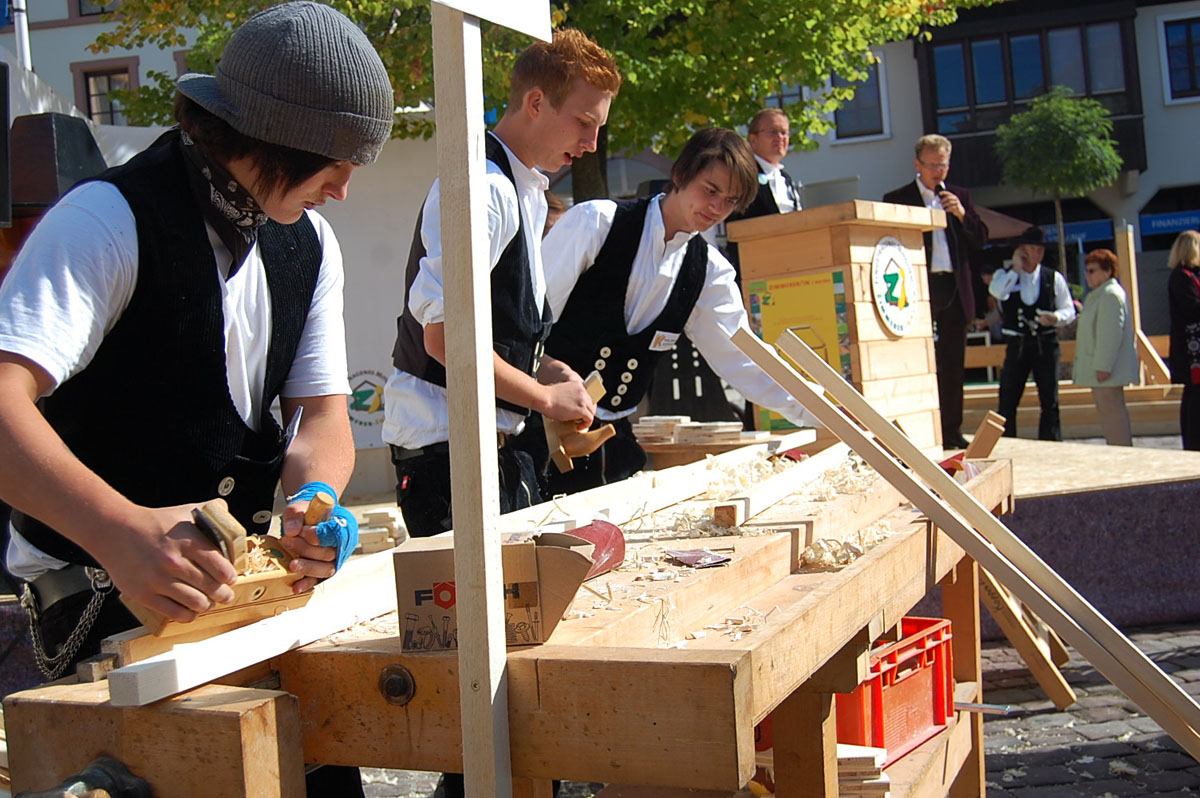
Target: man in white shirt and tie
x=770, y=138
x=1034, y=302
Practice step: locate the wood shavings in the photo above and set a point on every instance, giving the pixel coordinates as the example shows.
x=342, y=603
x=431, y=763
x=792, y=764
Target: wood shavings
x=852, y=475
x=829, y=553
x=734, y=479
x=387, y=625
x=260, y=559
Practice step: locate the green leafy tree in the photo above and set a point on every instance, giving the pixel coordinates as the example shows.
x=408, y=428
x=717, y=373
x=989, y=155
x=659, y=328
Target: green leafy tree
x=1061, y=146
x=687, y=64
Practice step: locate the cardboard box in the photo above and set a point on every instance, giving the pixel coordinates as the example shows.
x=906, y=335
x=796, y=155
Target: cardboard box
x=541, y=576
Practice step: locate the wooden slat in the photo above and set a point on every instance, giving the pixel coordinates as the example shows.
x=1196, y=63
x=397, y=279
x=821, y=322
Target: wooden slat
x=989, y=432
x=993, y=354
x=1156, y=370
x=1076, y=620
x=471, y=399
x=360, y=590
x=1025, y=640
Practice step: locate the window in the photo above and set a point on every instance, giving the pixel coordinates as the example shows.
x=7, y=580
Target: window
x=101, y=108
x=94, y=83
x=865, y=114
x=90, y=8
x=1181, y=55
x=979, y=82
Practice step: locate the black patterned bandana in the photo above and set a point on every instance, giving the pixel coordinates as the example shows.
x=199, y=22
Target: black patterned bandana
x=226, y=205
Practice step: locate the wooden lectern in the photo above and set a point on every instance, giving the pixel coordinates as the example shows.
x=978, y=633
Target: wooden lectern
x=850, y=280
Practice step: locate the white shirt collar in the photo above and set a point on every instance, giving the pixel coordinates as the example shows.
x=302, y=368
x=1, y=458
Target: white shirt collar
x=768, y=168
x=657, y=229
x=529, y=179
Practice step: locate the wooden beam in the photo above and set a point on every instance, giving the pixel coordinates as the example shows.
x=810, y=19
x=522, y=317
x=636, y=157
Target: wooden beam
x=234, y=742
x=471, y=396
x=1127, y=271
x=960, y=603
x=362, y=589
x=736, y=510
x=804, y=728
x=997, y=548
x=1155, y=369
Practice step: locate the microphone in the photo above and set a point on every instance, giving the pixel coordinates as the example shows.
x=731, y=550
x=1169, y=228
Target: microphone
x=941, y=186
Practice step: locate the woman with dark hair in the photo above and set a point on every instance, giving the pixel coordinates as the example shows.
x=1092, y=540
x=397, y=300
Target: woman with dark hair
x=1105, y=358
x=625, y=279
x=1183, y=292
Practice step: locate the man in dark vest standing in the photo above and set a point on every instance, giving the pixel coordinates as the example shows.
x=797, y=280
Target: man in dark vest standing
x=1034, y=301
x=770, y=138
x=951, y=283
x=158, y=311
x=626, y=280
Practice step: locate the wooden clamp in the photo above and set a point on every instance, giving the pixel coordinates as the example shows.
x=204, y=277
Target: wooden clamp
x=993, y=546
x=566, y=442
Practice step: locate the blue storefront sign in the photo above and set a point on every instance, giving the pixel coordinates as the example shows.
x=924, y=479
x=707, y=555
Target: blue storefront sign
x=1095, y=230
x=1153, y=224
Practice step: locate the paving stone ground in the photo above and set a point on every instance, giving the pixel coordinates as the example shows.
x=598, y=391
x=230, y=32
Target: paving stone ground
x=1101, y=747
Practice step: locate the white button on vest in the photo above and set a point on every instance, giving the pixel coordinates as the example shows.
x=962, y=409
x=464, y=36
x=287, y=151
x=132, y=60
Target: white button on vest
x=616, y=400
x=605, y=351
x=626, y=377
x=261, y=517
x=632, y=364
x=622, y=388
x=599, y=364
x=226, y=486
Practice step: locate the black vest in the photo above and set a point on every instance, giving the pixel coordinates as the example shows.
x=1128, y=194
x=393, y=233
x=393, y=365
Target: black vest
x=1021, y=319
x=592, y=335
x=152, y=413
x=519, y=325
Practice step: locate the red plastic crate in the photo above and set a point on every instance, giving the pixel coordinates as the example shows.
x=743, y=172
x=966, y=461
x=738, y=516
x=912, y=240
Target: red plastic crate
x=909, y=696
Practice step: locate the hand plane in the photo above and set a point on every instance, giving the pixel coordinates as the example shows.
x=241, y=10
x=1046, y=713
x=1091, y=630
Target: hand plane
x=565, y=442
x=264, y=585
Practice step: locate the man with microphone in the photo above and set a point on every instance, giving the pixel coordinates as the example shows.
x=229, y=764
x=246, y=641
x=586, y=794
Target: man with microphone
x=951, y=291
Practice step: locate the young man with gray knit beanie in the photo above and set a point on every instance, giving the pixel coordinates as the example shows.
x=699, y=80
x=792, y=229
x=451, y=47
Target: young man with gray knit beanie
x=157, y=312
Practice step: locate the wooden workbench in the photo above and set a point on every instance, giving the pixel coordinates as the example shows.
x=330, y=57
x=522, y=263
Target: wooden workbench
x=607, y=699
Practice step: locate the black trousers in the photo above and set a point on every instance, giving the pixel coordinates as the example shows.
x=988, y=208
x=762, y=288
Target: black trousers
x=423, y=486
x=1189, y=417
x=620, y=457
x=1038, y=354
x=949, y=350
x=55, y=624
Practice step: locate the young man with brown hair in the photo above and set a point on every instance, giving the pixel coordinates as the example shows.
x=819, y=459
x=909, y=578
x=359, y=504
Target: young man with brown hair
x=627, y=278
x=561, y=93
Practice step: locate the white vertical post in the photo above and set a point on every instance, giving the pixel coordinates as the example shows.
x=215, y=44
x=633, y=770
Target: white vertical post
x=20, y=19
x=470, y=379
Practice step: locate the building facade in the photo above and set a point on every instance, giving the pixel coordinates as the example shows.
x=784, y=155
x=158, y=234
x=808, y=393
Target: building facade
x=1140, y=59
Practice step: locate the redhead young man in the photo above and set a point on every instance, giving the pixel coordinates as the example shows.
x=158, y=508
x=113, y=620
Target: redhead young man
x=560, y=96
x=626, y=278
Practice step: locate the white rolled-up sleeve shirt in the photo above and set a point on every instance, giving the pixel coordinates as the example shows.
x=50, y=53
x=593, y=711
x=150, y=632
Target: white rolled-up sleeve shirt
x=571, y=248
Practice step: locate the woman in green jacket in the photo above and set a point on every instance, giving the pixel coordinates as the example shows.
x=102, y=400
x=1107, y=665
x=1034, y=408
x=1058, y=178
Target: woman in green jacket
x=1104, y=353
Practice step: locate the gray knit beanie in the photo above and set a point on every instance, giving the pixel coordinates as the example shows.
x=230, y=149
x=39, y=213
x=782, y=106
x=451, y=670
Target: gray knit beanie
x=304, y=76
